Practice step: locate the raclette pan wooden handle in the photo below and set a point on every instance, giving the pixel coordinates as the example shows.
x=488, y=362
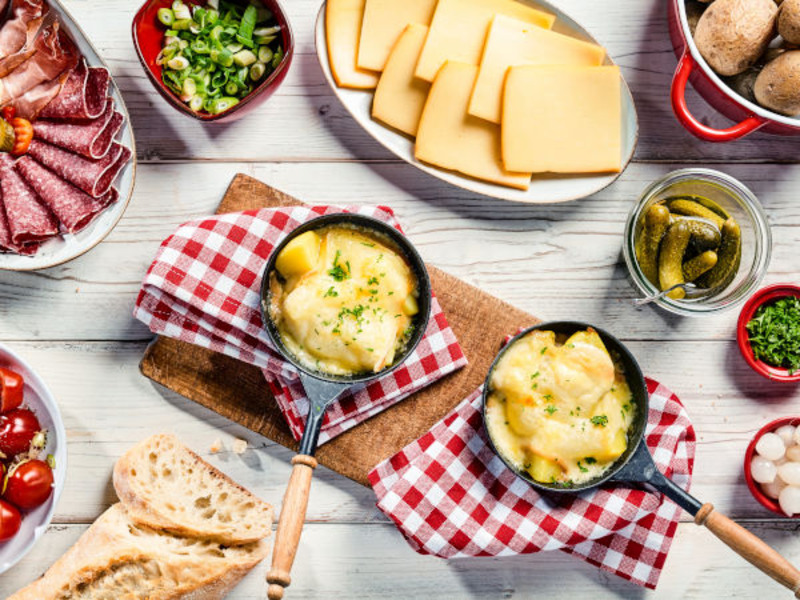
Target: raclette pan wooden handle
x=290, y=525
x=750, y=547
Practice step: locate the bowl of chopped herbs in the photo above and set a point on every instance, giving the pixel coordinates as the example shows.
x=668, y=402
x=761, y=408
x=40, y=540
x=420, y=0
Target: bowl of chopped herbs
x=768, y=332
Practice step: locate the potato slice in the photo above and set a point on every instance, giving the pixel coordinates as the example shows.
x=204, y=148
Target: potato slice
x=410, y=305
x=544, y=470
x=618, y=444
x=299, y=256
x=590, y=336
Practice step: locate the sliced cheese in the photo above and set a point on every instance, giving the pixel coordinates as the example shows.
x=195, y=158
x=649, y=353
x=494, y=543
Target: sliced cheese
x=342, y=32
x=459, y=28
x=512, y=43
x=562, y=119
x=450, y=138
x=400, y=97
x=384, y=21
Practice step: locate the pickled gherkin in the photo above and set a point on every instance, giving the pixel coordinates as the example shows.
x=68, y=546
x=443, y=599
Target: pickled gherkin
x=699, y=265
x=730, y=257
x=670, y=258
x=655, y=226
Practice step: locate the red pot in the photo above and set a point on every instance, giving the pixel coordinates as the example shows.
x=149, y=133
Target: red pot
x=748, y=116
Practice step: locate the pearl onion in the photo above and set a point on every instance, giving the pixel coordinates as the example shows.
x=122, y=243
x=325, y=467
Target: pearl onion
x=786, y=433
x=790, y=473
x=789, y=500
x=770, y=446
x=793, y=453
x=763, y=470
x=797, y=436
x=773, y=490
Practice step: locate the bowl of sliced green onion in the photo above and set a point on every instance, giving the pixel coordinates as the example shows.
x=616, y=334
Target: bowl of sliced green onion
x=214, y=60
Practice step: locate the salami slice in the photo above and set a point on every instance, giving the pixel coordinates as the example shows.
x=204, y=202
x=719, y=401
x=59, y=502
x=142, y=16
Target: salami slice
x=92, y=176
x=73, y=207
x=6, y=245
x=110, y=197
x=84, y=95
x=28, y=219
x=92, y=139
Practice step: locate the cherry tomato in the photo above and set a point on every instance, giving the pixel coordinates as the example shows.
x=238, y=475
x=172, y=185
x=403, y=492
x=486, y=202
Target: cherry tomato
x=29, y=484
x=9, y=112
x=17, y=428
x=11, y=386
x=10, y=521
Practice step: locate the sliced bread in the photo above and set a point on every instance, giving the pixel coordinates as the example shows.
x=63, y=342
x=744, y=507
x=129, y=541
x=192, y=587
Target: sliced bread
x=117, y=558
x=166, y=486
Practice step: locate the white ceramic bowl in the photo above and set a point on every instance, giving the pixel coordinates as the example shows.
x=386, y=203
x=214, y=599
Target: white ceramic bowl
x=65, y=248
x=545, y=188
x=39, y=399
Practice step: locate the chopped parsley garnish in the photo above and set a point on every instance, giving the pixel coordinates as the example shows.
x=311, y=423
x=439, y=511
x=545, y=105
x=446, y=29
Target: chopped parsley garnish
x=331, y=292
x=535, y=375
x=544, y=350
x=590, y=460
x=373, y=281
x=367, y=245
x=550, y=409
x=548, y=397
x=582, y=468
x=600, y=420
x=626, y=407
x=338, y=272
x=774, y=333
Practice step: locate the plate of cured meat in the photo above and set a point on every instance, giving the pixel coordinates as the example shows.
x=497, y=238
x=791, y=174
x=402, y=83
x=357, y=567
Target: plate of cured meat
x=67, y=153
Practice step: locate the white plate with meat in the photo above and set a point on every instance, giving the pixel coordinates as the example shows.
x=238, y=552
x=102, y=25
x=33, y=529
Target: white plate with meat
x=68, y=190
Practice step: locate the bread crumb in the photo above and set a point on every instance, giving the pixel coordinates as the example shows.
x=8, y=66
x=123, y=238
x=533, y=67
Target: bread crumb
x=239, y=446
x=216, y=446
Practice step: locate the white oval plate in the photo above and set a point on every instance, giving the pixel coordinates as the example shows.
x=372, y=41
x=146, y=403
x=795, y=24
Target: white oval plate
x=544, y=188
x=39, y=399
x=65, y=248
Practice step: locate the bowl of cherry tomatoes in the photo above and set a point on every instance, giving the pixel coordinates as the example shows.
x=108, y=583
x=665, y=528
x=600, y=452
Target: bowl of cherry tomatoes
x=33, y=457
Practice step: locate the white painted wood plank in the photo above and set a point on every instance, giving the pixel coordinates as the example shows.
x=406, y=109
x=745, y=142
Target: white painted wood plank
x=108, y=407
x=305, y=121
x=554, y=261
x=373, y=561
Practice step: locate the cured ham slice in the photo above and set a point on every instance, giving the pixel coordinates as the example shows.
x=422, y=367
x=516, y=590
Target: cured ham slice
x=31, y=103
x=55, y=53
x=73, y=207
x=92, y=139
x=84, y=95
x=28, y=220
x=92, y=176
x=18, y=34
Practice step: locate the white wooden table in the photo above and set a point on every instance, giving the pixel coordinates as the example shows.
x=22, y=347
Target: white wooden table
x=74, y=322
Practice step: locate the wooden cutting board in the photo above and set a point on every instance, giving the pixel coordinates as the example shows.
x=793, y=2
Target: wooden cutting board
x=239, y=392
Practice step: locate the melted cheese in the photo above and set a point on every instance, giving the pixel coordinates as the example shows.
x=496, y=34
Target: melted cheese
x=566, y=405
x=348, y=314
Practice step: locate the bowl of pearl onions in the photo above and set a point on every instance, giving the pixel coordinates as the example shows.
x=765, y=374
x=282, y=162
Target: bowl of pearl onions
x=772, y=466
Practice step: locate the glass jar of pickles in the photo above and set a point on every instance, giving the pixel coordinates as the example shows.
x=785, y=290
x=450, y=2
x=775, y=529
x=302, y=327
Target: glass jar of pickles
x=698, y=227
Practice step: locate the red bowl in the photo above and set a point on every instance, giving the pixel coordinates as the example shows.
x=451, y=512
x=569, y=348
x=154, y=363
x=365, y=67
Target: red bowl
x=764, y=296
x=754, y=486
x=148, y=38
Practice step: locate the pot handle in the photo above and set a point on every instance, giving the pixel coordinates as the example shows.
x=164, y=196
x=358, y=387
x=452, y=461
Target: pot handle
x=695, y=127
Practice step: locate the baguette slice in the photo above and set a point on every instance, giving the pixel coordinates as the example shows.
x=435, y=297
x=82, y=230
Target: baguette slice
x=116, y=558
x=164, y=485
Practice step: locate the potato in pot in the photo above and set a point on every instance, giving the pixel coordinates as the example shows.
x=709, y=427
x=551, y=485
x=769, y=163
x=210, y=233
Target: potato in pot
x=733, y=34
x=789, y=21
x=778, y=85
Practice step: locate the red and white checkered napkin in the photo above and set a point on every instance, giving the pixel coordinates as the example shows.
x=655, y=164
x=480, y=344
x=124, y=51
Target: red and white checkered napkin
x=451, y=496
x=204, y=288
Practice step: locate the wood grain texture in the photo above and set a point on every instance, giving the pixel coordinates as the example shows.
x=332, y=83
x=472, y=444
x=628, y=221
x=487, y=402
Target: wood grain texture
x=363, y=562
x=480, y=323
